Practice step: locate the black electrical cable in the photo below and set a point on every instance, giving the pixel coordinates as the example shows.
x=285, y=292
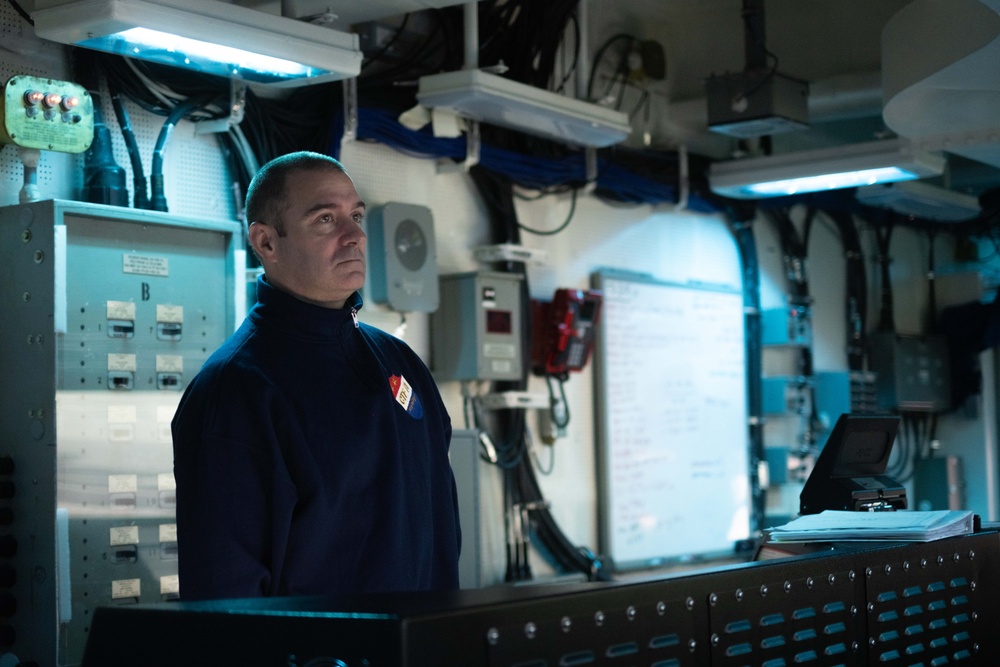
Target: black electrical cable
x=567, y=555
x=753, y=22
x=561, y=227
x=856, y=291
x=903, y=447
x=599, y=57
x=560, y=422
x=158, y=199
x=443, y=38
x=20, y=10
x=576, y=56
x=931, y=291
x=372, y=59
x=299, y=121
x=525, y=35
x=794, y=251
x=883, y=236
x=136, y=79
x=807, y=224
x=643, y=101
x=103, y=179
x=511, y=572
x=763, y=81
x=497, y=193
x=140, y=195
x=525, y=38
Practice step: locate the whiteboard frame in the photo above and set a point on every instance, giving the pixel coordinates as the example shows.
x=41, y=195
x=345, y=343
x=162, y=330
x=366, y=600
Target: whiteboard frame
x=606, y=526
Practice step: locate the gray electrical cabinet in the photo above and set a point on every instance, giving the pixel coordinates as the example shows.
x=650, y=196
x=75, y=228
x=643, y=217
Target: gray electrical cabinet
x=476, y=332
x=467, y=466
x=108, y=314
x=911, y=372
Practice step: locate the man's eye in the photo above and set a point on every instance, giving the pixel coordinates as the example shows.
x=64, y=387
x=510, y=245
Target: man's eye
x=359, y=218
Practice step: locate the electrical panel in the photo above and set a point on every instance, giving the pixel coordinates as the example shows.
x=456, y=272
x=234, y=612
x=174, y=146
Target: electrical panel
x=109, y=313
x=786, y=326
x=832, y=395
x=786, y=395
x=467, y=465
x=911, y=372
x=864, y=397
x=476, y=333
x=403, y=258
x=45, y=114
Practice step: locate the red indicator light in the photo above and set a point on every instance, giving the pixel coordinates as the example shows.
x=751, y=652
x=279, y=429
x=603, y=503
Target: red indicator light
x=33, y=97
x=52, y=100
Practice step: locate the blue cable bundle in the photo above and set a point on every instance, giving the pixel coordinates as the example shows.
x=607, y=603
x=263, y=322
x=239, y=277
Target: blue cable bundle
x=527, y=171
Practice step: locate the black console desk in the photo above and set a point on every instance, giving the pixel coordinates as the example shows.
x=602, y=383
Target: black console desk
x=928, y=604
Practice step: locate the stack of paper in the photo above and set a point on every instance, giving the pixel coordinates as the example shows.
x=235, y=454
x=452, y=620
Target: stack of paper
x=902, y=525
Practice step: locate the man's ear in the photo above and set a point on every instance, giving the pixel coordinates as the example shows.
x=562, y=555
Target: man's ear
x=262, y=239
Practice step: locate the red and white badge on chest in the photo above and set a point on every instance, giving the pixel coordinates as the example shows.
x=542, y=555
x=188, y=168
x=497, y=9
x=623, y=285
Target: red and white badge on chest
x=405, y=396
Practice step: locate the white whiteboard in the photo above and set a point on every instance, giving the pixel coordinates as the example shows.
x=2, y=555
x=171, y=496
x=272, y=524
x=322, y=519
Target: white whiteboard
x=673, y=440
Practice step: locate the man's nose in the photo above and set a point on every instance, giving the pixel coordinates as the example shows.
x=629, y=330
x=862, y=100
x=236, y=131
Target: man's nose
x=356, y=236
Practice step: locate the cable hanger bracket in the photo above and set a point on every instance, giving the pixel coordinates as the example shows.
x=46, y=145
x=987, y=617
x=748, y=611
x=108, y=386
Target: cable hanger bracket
x=350, y=110
x=472, y=148
x=237, y=107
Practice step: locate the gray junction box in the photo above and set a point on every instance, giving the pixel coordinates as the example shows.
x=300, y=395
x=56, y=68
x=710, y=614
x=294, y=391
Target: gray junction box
x=476, y=333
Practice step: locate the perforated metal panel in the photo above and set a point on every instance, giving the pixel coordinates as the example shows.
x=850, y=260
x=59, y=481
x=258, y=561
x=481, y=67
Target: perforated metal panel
x=814, y=619
x=195, y=172
x=928, y=608
x=110, y=313
x=23, y=53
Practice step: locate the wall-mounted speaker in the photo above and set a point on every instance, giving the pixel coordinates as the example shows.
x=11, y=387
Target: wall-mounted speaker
x=402, y=260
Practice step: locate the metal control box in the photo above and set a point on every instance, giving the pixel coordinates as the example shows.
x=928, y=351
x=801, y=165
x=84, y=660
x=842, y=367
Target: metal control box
x=109, y=312
x=783, y=395
x=477, y=332
x=756, y=102
x=787, y=326
x=911, y=372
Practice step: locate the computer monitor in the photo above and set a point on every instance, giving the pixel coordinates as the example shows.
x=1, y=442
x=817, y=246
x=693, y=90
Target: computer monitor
x=849, y=473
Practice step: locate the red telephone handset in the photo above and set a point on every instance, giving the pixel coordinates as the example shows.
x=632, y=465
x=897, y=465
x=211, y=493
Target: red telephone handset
x=563, y=331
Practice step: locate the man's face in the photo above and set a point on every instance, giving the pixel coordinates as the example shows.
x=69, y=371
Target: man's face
x=321, y=257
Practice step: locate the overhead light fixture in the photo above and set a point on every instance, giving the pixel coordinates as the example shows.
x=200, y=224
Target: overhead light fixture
x=204, y=35
x=824, y=169
x=489, y=98
x=923, y=200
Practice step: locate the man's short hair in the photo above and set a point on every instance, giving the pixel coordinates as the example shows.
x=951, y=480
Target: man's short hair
x=265, y=200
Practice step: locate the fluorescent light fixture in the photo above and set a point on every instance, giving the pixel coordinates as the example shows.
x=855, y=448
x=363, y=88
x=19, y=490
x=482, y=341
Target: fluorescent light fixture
x=492, y=99
x=205, y=35
x=923, y=200
x=824, y=169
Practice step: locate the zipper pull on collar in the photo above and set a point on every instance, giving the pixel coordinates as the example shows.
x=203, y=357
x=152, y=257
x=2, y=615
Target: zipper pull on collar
x=354, y=316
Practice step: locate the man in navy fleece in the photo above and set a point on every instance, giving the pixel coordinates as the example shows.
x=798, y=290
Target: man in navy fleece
x=311, y=450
